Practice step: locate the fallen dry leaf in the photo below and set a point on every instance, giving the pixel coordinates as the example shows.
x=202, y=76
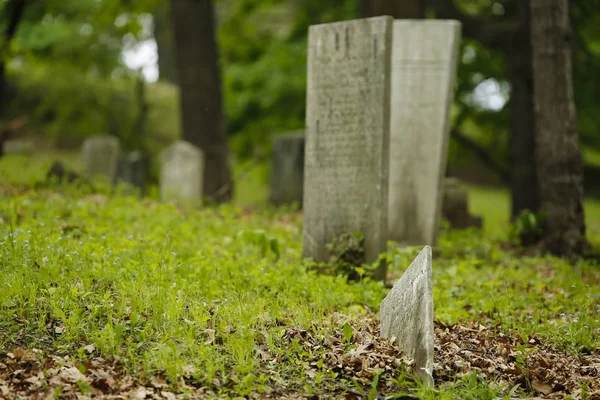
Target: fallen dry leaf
x=542, y=387
x=72, y=375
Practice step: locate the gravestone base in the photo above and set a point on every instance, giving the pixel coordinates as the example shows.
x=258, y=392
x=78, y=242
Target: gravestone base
x=455, y=207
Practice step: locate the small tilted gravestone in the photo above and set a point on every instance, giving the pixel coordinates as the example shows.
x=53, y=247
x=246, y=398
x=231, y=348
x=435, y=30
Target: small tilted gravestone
x=379, y=94
x=182, y=173
x=287, y=170
x=456, y=206
x=100, y=155
x=132, y=169
x=407, y=315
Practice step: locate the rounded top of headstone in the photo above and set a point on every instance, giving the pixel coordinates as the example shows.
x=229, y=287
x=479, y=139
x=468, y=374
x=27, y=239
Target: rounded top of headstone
x=104, y=138
x=135, y=156
x=181, y=148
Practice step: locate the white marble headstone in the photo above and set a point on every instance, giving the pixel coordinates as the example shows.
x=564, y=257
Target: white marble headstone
x=407, y=315
x=182, y=173
x=100, y=155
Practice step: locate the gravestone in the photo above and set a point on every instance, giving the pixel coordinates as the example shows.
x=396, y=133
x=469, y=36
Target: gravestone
x=181, y=173
x=379, y=93
x=347, y=135
x=132, y=169
x=287, y=170
x=455, y=207
x=424, y=63
x=18, y=147
x=407, y=315
x=100, y=155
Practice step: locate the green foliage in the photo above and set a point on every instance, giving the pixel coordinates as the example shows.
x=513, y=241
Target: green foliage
x=265, y=65
x=263, y=54
x=169, y=290
x=347, y=256
x=528, y=227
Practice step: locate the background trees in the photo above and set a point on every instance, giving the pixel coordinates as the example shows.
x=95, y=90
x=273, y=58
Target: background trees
x=199, y=78
x=67, y=70
x=557, y=144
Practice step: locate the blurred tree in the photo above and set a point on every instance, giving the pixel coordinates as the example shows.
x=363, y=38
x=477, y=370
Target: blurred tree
x=163, y=34
x=199, y=77
x=503, y=26
x=13, y=10
x=395, y=8
x=558, y=156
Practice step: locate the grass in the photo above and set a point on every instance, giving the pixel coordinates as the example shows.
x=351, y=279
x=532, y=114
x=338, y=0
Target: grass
x=219, y=297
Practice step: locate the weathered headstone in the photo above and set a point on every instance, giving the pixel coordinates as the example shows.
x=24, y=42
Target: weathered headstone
x=347, y=134
x=379, y=93
x=132, y=169
x=18, y=147
x=181, y=175
x=424, y=62
x=407, y=315
x=287, y=170
x=100, y=155
x=455, y=207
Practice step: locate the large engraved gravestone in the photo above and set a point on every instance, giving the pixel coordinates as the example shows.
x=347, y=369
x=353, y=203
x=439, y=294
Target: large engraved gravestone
x=287, y=169
x=347, y=134
x=181, y=173
x=424, y=62
x=407, y=315
x=100, y=155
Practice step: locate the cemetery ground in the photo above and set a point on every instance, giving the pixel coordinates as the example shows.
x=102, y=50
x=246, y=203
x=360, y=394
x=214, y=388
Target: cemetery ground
x=105, y=295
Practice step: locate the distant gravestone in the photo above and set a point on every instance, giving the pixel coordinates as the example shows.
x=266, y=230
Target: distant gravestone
x=18, y=147
x=287, y=170
x=100, y=155
x=424, y=63
x=132, y=169
x=455, y=207
x=407, y=315
x=181, y=174
x=347, y=135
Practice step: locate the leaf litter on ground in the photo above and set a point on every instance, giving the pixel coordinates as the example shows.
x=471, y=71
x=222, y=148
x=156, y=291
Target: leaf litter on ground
x=505, y=361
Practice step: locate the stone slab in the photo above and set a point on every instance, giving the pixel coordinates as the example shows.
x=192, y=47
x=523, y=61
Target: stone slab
x=18, y=147
x=287, y=170
x=407, y=315
x=132, y=169
x=100, y=155
x=455, y=208
x=347, y=134
x=182, y=173
x=424, y=63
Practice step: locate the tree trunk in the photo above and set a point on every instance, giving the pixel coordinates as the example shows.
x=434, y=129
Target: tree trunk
x=163, y=34
x=199, y=77
x=14, y=10
x=399, y=9
x=558, y=157
x=524, y=188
